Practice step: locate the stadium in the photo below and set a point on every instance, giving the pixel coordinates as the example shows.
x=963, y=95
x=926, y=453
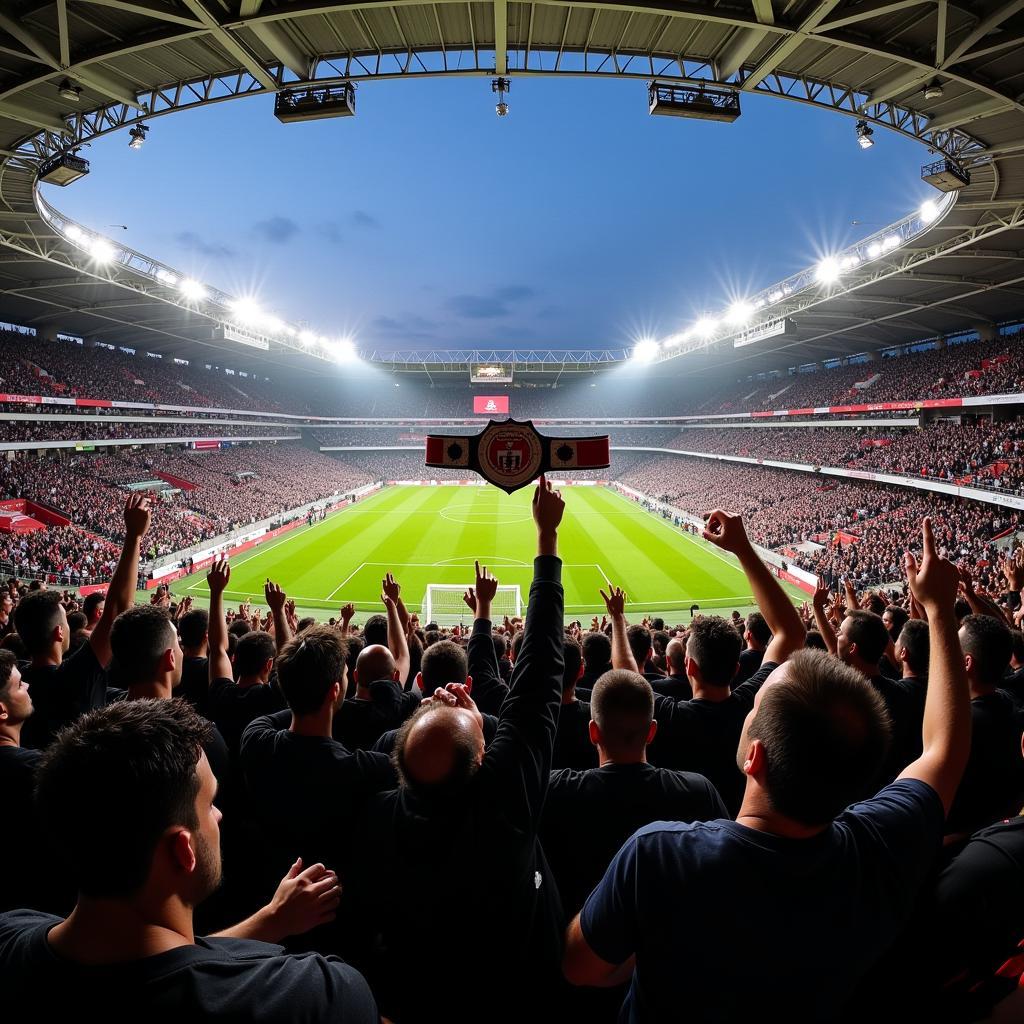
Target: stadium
x=221, y=493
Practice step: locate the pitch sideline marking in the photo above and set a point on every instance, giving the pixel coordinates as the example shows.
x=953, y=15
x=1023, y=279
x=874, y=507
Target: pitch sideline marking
x=361, y=565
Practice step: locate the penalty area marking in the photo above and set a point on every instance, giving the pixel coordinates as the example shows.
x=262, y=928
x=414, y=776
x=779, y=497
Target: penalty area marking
x=361, y=565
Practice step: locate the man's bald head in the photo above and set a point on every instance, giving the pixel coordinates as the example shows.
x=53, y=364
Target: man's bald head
x=675, y=655
x=374, y=662
x=439, y=749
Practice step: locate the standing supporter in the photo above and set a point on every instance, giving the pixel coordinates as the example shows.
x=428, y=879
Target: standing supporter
x=675, y=685
x=756, y=636
x=194, y=632
x=65, y=687
x=136, y=773
x=675, y=894
x=461, y=805
x=597, y=659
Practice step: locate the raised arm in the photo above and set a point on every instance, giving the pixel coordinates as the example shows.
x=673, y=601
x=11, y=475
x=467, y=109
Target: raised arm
x=828, y=634
x=277, y=600
x=946, y=730
x=622, y=653
x=397, y=643
x=121, y=592
x=217, y=580
x=788, y=634
x=489, y=691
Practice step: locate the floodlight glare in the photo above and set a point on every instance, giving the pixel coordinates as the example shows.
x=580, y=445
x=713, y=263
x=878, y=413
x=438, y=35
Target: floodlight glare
x=137, y=136
x=273, y=324
x=851, y=261
x=75, y=233
x=739, y=313
x=775, y=296
x=339, y=349
x=864, y=133
x=246, y=311
x=705, y=327
x=645, y=350
x=829, y=270
x=874, y=250
x=192, y=290
x=102, y=251
x=929, y=211
x=890, y=242
x=166, y=277
x=307, y=337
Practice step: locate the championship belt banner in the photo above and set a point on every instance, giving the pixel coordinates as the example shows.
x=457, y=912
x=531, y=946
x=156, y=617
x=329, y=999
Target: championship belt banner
x=510, y=453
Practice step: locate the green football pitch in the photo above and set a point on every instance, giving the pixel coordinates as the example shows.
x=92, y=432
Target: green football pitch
x=431, y=535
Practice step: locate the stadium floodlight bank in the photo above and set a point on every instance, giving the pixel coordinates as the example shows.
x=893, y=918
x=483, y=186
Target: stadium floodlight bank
x=698, y=101
x=443, y=604
x=63, y=169
x=315, y=102
x=946, y=175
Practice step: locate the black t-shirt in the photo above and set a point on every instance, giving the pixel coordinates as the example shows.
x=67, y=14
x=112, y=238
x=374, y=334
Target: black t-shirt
x=573, y=748
x=993, y=783
x=589, y=815
x=195, y=683
x=61, y=693
x=676, y=687
x=233, y=707
x=215, y=979
x=750, y=662
x=359, y=723
x=904, y=700
x=701, y=736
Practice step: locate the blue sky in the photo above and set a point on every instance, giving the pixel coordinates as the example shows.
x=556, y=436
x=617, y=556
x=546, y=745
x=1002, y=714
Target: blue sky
x=577, y=221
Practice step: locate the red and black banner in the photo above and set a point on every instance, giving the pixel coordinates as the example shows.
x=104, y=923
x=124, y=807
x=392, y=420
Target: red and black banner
x=510, y=454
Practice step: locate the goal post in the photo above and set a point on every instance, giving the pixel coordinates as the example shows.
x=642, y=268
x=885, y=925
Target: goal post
x=443, y=603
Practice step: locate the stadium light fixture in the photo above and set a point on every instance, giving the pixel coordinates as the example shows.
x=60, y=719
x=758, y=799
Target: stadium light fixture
x=933, y=91
x=775, y=296
x=75, y=233
x=929, y=211
x=850, y=261
x=101, y=250
x=246, y=310
x=739, y=313
x=890, y=242
x=705, y=327
x=501, y=86
x=308, y=338
x=192, y=290
x=272, y=324
x=864, y=133
x=166, y=277
x=645, y=350
x=874, y=250
x=828, y=270
x=69, y=92
x=341, y=350
x=137, y=136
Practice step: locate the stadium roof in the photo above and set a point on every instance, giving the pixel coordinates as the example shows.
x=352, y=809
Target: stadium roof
x=74, y=69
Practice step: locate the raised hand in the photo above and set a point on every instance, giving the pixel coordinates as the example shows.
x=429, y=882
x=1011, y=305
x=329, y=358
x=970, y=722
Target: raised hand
x=486, y=585
x=934, y=580
x=966, y=580
x=821, y=595
x=390, y=590
x=137, y=514
x=548, y=507
x=348, y=612
x=274, y=596
x=218, y=576
x=615, y=601
x=1013, y=570
x=469, y=598
x=725, y=531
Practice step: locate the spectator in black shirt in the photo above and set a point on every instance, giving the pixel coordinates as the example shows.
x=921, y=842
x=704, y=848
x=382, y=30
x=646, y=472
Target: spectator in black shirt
x=466, y=820
x=65, y=687
x=993, y=782
x=597, y=659
x=590, y=814
x=756, y=636
x=193, y=631
x=573, y=746
x=675, y=684
x=380, y=703
x=93, y=608
x=639, y=638
x=134, y=774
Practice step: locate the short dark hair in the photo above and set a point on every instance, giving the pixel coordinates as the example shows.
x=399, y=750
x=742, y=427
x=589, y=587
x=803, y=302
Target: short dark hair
x=516, y=643
x=126, y=772
x=36, y=617
x=597, y=652
x=814, y=641
x=639, y=638
x=868, y=632
x=443, y=663
x=7, y=663
x=77, y=621
x=305, y=623
x=253, y=651
x=13, y=643
x=500, y=645
x=89, y=605
x=715, y=646
x=875, y=604
x=1017, y=639
x=622, y=705
x=572, y=654
x=355, y=646
x=988, y=642
x=825, y=733
x=308, y=666
x=900, y=617
x=658, y=625
x=757, y=626
x=239, y=627
x=193, y=627
x=376, y=630
x=659, y=641
x=138, y=639
x=914, y=638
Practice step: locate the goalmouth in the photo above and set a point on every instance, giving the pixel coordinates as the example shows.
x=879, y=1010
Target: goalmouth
x=443, y=603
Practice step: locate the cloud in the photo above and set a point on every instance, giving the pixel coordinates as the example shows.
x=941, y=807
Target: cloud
x=492, y=305
x=361, y=219
x=509, y=332
x=331, y=232
x=276, y=230
x=409, y=325
x=196, y=242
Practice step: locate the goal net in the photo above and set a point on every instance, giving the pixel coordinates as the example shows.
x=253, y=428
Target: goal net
x=443, y=604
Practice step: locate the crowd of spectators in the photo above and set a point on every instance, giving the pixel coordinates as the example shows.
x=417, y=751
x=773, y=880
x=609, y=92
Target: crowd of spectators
x=94, y=429
x=220, y=813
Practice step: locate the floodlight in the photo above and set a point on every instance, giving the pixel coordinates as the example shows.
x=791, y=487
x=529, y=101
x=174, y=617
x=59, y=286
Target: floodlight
x=851, y=261
x=307, y=337
x=874, y=250
x=501, y=86
x=166, y=277
x=739, y=313
x=246, y=311
x=339, y=349
x=929, y=211
x=933, y=91
x=75, y=233
x=705, y=327
x=829, y=270
x=101, y=250
x=138, y=136
x=192, y=290
x=273, y=324
x=645, y=350
x=864, y=133
x=63, y=169
x=775, y=296
x=67, y=91
x=890, y=242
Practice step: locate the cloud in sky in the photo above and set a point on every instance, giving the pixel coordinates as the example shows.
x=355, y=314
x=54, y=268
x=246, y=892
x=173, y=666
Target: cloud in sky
x=207, y=247
x=492, y=305
x=276, y=230
x=362, y=219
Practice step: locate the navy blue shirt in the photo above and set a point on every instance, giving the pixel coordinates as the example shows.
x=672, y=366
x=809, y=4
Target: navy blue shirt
x=813, y=913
